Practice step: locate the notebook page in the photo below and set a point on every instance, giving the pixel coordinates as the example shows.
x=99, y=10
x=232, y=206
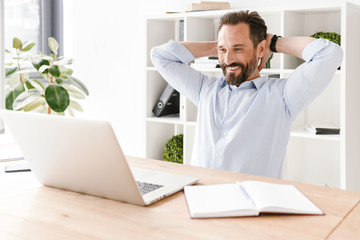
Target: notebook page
x=221, y=200
x=270, y=197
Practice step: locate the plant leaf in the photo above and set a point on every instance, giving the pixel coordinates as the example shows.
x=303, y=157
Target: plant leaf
x=74, y=92
x=55, y=71
x=39, y=104
x=25, y=98
x=64, y=61
x=13, y=80
x=53, y=45
x=46, y=57
x=71, y=112
x=28, y=46
x=78, y=84
x=28, y=70
x=75, y=105
x=28, y=85
x=57, y=97
x=38, y=62
x=17, y=44
x=45, y=76
x=66, y=71
x=10, y=98
x=37, y=84
x=9, y=71
x=44, y=69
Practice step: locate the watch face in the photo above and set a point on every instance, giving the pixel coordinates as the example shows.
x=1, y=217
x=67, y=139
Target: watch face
x=273, y=43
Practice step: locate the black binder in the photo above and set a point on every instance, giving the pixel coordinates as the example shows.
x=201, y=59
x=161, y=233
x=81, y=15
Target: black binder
x=168, y=102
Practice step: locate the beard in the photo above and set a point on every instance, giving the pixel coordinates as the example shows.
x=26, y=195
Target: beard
x=246, y=71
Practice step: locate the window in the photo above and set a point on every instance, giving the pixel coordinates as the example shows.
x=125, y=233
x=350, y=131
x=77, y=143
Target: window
x=35, y=21
x=22, y=20
x=29, y=20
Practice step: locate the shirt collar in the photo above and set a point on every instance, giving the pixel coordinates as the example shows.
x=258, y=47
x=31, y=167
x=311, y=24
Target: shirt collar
x=256, y=83
x=259, y=82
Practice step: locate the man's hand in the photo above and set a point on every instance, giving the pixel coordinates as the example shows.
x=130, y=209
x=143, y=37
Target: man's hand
x=268, y=52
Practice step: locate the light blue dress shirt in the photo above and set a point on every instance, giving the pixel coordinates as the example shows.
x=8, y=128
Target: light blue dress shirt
x=246, y=128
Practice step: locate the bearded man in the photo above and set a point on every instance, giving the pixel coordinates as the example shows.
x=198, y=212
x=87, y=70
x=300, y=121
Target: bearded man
x=244, y=119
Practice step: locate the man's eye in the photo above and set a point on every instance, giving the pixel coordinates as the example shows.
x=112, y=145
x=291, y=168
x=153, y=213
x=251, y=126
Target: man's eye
x=237, y=49
x=222, y=50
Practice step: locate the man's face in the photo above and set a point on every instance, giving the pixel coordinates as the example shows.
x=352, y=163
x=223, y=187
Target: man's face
x=237, y=55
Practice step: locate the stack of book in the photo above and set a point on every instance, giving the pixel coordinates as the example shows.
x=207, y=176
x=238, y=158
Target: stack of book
x=321, y=129
x=208, y=5
x=205, y=63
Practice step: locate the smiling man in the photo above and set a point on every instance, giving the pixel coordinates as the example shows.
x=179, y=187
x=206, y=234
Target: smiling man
x=244, y=119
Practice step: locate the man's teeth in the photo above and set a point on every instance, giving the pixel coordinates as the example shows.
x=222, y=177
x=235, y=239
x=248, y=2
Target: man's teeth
x=233, y=68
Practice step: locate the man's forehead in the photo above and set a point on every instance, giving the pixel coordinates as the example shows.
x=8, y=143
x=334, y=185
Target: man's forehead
x=234, y=35
x=241, y=29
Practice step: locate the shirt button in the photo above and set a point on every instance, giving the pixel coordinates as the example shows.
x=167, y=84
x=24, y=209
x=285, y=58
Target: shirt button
x=217, y=155
x=230, y=111
x=224, y=134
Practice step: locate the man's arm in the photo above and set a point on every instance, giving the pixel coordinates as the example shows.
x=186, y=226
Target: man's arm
x=293, y=46
x=201, y=49
x=171, y=60
x=322, y=58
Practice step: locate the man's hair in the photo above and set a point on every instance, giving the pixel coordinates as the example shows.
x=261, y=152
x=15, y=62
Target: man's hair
x=256, y=24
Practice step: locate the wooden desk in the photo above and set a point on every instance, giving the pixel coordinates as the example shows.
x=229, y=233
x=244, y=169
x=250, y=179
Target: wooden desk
x=48, y=213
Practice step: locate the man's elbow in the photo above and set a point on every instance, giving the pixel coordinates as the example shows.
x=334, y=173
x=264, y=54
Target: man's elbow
x=337, y=54
x=154, y=56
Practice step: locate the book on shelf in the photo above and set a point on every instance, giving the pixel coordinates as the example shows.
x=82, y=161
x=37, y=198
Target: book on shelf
x=208, y=5
x=274, y=75
x=205, y=63
x=207, y=60
x=181, y=30
x=248, y=198
x=323, y=129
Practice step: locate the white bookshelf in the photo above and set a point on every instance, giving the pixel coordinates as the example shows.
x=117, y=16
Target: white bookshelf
x=330, y=160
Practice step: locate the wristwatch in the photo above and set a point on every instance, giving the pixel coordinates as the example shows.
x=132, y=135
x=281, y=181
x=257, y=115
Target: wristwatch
x=273, y=43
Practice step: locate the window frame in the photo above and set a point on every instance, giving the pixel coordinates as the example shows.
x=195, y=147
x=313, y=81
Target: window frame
x=2, y=64
x=51, y=24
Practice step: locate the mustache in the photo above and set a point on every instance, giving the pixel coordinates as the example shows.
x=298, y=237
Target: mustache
x=234, y=64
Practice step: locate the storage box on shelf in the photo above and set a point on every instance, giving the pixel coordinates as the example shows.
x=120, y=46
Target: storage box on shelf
x=331, y=160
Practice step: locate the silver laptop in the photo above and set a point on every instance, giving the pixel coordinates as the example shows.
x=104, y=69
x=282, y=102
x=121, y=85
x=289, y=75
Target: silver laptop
x=84, y=156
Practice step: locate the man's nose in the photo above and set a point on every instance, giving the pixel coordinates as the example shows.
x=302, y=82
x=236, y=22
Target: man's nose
x=229, y=58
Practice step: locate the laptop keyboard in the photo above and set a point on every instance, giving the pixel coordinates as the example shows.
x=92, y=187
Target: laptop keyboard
x=147, y=187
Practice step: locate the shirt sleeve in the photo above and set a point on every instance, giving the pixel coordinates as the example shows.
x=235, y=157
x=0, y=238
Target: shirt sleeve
x=171, y=60
x=322, y=59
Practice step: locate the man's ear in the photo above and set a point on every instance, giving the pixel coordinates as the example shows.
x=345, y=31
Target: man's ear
x=261, y=48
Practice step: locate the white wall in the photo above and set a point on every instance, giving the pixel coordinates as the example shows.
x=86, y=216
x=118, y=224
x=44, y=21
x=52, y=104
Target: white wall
x=106, y=38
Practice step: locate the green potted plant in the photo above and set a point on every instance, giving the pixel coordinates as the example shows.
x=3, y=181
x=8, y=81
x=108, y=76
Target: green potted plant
x=173, y=151
x=54, y=92
x=332, y=36
x=267, y=64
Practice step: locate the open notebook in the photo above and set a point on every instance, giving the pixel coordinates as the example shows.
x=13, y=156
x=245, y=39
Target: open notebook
x=248, y=198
